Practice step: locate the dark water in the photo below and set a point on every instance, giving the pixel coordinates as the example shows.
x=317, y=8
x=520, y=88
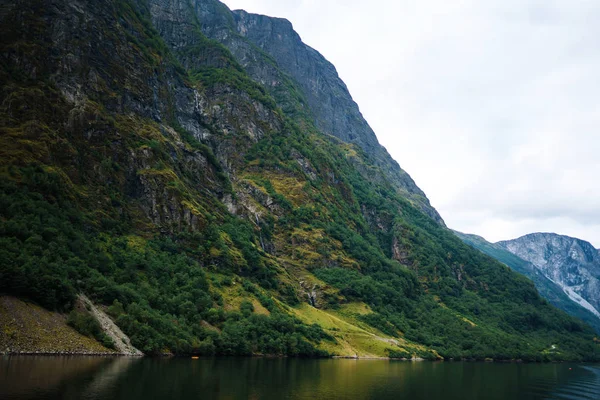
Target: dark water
x=256, y=378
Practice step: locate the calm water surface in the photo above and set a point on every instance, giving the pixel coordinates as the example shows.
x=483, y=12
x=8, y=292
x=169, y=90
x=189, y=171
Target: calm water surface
x=255, y=378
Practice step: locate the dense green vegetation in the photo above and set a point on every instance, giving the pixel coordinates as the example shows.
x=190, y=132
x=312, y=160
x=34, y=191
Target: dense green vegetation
x=158, y=293
x=482, y=307
x=160, y=226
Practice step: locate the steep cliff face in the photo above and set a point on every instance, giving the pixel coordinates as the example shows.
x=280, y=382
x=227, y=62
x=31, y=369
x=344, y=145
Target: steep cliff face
x=152, y=169
x=274, y=55
x=572, y=263
x=548, y=288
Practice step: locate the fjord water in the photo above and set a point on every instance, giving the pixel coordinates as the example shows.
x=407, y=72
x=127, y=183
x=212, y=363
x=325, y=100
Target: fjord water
x=260, y=378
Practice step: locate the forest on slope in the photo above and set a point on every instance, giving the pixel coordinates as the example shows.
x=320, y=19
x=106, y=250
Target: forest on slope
x=145, y=166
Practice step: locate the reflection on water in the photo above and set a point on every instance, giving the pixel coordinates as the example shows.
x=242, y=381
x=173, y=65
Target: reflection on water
x=585, y=386
x=33, y=377
x=256, y=378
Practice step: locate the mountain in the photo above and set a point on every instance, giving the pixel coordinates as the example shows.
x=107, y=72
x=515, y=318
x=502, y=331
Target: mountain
x=172, y=172
x=571, y=263
x=301, y=80
x=550, y=290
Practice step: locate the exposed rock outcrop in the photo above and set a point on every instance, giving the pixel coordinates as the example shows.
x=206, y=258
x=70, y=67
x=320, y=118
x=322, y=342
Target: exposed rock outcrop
x=121, y=340
x=274, y=55
x=572, y=263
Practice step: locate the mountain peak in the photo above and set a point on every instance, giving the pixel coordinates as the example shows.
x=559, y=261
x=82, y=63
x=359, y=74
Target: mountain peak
x=553, y=241
x=571, y=262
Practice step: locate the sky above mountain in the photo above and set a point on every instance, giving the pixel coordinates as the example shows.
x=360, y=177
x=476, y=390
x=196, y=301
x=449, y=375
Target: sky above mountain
x=492, y=107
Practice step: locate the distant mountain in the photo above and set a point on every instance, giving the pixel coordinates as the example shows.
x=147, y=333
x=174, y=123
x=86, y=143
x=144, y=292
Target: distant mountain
x=549, y=289
x=572, y=263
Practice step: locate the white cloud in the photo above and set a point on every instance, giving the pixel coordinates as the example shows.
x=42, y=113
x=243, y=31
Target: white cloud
x=493, y=107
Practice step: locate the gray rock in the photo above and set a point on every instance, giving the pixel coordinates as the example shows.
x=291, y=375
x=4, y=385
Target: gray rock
x=572, y=263
x=274, y=55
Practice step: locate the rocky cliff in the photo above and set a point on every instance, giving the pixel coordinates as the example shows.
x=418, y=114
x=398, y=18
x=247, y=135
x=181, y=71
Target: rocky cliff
x=274, y=55
x=572, y=263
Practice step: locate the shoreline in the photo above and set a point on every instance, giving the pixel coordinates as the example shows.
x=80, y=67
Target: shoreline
x=415, y=359
x=68, y=353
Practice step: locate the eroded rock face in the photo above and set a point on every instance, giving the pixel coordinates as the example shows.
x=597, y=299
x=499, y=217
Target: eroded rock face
x=572, y=263
x=301, y=80
x=274, y=55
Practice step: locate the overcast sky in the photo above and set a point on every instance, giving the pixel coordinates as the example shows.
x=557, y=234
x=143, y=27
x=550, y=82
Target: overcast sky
x=493, y=107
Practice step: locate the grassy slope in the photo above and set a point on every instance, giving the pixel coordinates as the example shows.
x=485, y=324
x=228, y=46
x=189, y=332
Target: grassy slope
x=28, y=328
x=354, y=337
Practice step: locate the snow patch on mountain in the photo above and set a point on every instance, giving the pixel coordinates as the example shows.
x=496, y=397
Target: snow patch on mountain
x=571, y=263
